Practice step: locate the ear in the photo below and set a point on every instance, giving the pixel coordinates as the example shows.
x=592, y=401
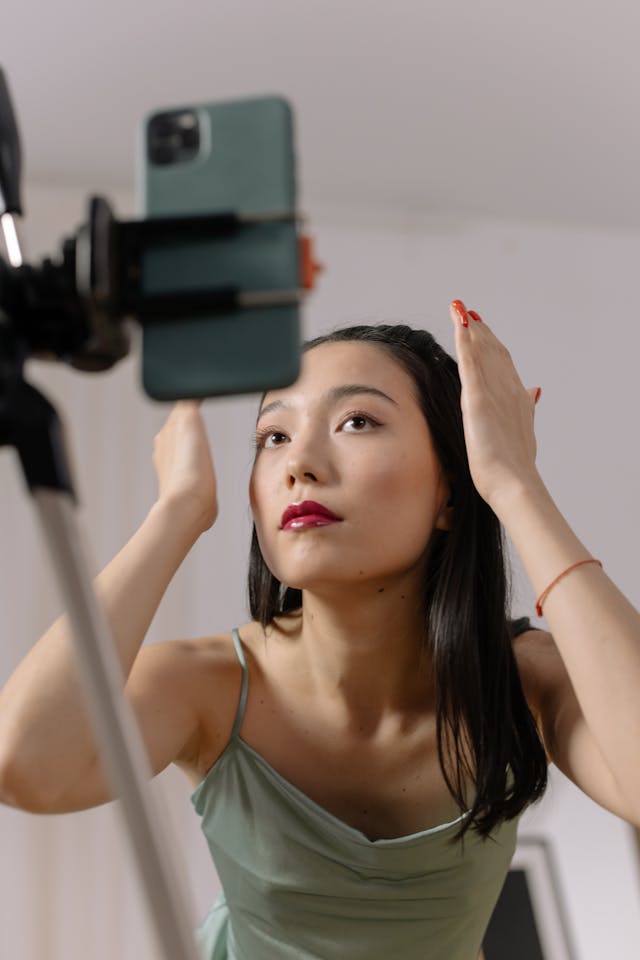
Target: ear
x=444, y=520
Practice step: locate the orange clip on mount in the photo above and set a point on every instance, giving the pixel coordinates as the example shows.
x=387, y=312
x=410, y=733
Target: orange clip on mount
x=309, y=266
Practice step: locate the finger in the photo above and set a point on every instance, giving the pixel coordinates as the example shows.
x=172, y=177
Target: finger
x=479, y=330
x=459, y=313
x=470, y=322
x=479, y=337
x=484, y=362
x=469, y=360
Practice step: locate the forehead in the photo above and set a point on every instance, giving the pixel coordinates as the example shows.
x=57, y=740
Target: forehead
x=332, y=364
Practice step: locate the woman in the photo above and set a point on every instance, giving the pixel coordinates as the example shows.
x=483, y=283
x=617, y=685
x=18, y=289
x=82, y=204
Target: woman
x=362, y=749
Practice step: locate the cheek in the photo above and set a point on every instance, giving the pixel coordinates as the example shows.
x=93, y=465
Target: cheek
x=398, y=480
x=252, y=491
x=258, y=494
x=400, y=498
x=259, y=499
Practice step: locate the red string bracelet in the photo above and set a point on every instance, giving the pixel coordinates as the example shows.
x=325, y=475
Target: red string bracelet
x=551, y=585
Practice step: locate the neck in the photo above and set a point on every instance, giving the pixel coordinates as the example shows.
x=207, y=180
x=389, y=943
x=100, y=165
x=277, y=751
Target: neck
x=362, y=650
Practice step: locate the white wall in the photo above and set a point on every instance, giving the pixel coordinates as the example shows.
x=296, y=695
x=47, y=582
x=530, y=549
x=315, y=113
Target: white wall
x=561, y=300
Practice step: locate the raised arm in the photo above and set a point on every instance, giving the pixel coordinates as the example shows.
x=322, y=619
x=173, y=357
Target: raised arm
x=48, y=755
x=587, y=669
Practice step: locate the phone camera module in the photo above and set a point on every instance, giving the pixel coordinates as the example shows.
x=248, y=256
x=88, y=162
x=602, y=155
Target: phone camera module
x=173, y=137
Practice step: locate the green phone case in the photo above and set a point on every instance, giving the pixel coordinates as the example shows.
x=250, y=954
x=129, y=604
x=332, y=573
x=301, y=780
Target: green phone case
x=245, y=164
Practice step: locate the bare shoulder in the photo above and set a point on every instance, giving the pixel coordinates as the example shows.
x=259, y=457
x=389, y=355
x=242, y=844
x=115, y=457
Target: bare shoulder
x=187, y=664
x=186, y=693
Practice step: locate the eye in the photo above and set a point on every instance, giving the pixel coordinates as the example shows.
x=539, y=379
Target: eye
x=268, y=438
x=360, y=421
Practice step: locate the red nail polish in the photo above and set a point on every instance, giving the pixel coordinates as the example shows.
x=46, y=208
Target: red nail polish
x=538, y=392
x=476, y=316
x=461, y=310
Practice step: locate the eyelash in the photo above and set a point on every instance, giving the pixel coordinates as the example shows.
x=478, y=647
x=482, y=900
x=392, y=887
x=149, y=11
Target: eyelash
x=262, y=435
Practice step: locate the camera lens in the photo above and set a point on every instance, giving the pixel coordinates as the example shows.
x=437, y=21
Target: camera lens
x=173, y=137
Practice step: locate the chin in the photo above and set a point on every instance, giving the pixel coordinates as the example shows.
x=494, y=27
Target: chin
x=310, y=567
x=326, y=578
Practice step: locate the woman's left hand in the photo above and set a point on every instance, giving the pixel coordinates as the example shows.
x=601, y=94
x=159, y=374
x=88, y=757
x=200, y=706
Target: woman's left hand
x=497, y=410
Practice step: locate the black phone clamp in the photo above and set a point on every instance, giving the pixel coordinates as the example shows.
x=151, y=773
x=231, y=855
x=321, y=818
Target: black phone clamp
x=76, y=309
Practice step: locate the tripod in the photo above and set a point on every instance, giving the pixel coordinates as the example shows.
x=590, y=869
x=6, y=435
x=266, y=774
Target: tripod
x=73, y=310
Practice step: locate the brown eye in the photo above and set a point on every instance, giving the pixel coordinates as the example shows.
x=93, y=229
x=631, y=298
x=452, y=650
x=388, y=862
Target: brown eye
x=269, y=438
x=360, y=423
x=274, y=439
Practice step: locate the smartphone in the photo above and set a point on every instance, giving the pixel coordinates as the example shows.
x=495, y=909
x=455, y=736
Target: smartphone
x=234, y=156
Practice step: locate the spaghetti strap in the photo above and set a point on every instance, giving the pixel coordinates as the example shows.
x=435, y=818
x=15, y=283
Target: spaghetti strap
x=243, y=693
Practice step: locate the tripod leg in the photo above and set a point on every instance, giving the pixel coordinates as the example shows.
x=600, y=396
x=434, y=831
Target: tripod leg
x=116, y=729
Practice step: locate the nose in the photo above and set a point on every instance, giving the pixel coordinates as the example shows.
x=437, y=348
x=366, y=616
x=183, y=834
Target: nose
x=306, y=460
x=296, y=476
x=300, y=469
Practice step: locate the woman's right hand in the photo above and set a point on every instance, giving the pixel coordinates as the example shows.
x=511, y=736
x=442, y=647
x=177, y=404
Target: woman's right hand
x=183, y=463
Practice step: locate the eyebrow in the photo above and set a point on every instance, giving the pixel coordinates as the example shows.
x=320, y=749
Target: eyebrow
x=332, y=395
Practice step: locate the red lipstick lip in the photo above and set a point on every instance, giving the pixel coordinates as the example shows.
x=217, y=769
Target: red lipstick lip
x=306, y=508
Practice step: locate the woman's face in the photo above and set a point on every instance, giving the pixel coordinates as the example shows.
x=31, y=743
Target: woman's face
x=349, y=437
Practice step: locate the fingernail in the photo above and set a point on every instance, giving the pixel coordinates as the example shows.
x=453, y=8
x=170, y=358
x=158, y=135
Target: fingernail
x=461, y=310
x=476, y=316
x=538, y=392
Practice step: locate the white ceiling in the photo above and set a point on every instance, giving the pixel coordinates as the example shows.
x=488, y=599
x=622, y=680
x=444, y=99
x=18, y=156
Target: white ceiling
x=492, y=107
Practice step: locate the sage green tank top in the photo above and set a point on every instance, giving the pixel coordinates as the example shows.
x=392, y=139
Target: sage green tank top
x=300, y=884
